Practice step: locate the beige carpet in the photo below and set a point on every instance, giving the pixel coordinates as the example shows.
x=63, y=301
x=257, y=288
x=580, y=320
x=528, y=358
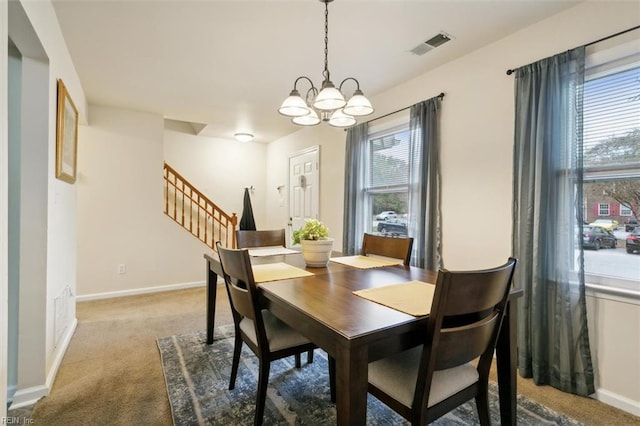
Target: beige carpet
x=111, y=373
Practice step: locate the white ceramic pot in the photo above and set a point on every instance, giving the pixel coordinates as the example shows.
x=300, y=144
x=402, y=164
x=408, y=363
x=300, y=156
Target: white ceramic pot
x=316, y=253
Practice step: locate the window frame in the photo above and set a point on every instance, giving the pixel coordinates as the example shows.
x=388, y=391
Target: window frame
x=600, y=285
x=368, y=189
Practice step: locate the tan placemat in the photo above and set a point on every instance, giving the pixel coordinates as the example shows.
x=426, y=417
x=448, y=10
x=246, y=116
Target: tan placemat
x=277, y=271
x=270, y=251
x=366, y=262
x=413, y=297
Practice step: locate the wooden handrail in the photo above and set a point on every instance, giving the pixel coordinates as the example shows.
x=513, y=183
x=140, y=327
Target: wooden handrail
x=196, y=213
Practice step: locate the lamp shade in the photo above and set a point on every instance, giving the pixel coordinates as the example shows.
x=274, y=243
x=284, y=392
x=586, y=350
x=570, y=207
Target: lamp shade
x=340, y=119
x=329, y=98
x=309, y=119
x=358, y=105
x=294, y=105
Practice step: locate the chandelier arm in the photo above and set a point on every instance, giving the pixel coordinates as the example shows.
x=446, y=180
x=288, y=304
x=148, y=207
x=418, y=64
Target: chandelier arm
x=304, y=77
x=349, y=78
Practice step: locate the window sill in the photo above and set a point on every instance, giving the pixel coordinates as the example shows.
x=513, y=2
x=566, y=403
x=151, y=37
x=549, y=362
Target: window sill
x=612, y=288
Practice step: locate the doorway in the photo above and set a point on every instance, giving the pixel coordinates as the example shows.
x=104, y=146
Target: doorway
x=304, y=188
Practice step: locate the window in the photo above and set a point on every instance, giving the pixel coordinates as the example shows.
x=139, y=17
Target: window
x=611, y=153
x=387, y=184
x=603, y=209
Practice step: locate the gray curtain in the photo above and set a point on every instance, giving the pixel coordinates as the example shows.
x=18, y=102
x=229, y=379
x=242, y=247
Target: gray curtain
x=355, y=207
x=547, y=189
x=425, y=219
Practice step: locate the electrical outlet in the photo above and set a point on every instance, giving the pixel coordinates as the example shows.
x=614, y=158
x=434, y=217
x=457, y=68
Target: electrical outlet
x=122, y=268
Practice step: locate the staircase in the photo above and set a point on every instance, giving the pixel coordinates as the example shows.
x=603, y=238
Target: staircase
x=192, y=210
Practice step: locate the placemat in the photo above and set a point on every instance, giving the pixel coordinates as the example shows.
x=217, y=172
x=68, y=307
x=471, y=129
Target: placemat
x=413, y=297
x=277, y=271
x=366, y=262
x=270, y=251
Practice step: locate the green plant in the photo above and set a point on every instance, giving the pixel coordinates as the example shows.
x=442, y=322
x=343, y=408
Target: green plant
x=313, y=229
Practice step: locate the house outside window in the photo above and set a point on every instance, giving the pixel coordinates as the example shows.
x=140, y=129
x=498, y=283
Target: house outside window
x=625, y=211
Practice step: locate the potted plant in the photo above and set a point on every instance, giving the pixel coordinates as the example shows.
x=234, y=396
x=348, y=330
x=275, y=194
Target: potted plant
x=316, y=245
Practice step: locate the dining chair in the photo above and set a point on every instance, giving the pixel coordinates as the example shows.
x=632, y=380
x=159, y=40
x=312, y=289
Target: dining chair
x=394, y=247
x=452, y=366
x=266, y=238
x=267, y=336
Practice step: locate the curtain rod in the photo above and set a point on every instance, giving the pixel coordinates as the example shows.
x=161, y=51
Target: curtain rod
x=441, y=96
x=511, y=71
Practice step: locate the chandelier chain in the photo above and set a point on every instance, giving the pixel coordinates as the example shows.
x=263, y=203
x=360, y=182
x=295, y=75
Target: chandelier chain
x=326, y=41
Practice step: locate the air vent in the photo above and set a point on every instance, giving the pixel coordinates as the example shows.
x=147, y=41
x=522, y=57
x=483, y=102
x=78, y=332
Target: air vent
x=435, y=41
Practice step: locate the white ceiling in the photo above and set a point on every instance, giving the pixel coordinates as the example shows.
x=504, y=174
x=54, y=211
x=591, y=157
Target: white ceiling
x=229, y=64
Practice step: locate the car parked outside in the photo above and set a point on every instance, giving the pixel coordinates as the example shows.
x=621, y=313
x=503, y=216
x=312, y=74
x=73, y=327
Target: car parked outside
x=393, y=226
x=633, y=241
x=607, y=224
x=630, y=225
x=386, y=215
x=596, y=237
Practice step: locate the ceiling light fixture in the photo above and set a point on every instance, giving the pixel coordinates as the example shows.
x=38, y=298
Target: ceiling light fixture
x=329, y=103
x=243, y=137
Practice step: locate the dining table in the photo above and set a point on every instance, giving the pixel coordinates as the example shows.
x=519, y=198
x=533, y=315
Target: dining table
x=355, y=331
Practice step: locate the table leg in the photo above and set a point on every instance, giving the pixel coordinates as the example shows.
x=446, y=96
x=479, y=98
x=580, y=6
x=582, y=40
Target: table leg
x=212, y=284
x=506, y=363
x=351, y=380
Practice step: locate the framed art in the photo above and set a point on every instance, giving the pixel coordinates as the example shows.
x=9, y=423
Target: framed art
x=66, y=136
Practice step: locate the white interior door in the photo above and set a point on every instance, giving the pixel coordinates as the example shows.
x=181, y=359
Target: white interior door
x=304, y=191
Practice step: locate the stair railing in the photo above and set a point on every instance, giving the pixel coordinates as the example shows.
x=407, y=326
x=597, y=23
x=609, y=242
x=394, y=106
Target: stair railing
x=196, y=213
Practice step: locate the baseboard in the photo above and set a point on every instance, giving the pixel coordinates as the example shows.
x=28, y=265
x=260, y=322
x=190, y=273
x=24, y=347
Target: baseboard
x=618, y=401
x=136, y=291
x=31, y=395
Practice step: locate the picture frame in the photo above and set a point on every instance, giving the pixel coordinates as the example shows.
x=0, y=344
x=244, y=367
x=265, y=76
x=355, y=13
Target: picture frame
x=66, y=136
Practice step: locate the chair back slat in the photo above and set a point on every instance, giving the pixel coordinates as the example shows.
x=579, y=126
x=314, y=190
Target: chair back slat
x=476, y=338
x=394, y=247
x=241, y=300
x=266, y=238
x=470, y=292
x=238, y=277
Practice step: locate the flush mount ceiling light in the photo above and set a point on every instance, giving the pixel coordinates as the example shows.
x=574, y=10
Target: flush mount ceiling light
x=243, y=137
x=329, y=103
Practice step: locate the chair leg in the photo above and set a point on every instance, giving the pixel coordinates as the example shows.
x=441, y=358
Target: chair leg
x=237, y=348
x=298, y=362
x=332, y=378
x=263, y=381
x=310, y=356
x=482, y=403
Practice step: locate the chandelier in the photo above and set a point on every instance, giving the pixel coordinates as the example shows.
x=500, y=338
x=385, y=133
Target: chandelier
x=327, y=104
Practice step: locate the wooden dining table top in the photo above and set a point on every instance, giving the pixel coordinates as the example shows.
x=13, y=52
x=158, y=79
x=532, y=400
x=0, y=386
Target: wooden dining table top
x=327, y=296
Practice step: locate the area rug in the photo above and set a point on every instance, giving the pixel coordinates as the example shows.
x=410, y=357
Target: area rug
x=197, y=378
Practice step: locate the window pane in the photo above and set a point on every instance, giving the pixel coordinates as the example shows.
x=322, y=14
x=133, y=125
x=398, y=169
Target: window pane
x=388, y=179
x=612, y=121
x=390, y=160
x=391, y=216
x=612, y=175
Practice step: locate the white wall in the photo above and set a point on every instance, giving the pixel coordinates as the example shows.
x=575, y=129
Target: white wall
x=332, y=155
x=476, y=156
x=36, y=33
x=221, y=169
x=120, y=210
